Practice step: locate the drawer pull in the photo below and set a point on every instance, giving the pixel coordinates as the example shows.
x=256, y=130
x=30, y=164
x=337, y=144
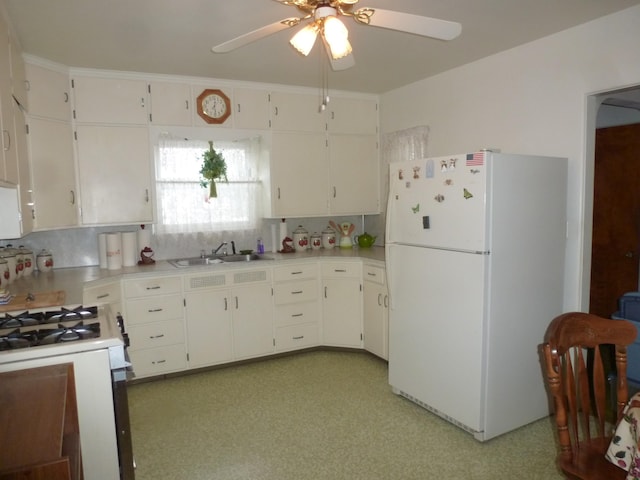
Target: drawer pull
x=297, y=314
x=154, y=310
x=340, y=270
x=159, y=361
x=380, y=299
x=296, y=273
x=298, y=338
x=386, y=300
x=371, y=274
x=104, y=295
x=152, y=337
x=153, y=288
x=297, y=292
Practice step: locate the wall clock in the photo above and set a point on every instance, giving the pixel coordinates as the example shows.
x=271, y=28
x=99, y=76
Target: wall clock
x=213, y=106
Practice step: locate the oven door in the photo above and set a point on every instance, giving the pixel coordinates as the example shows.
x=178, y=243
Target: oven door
x=123, y=427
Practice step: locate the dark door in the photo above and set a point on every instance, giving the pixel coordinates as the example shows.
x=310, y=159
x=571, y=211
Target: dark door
x=616, y=217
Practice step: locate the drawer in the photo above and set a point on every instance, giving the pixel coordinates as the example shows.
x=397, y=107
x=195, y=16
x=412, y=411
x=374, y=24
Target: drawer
x=341, y=269
x=156, y=361
x=296, y=336
x=152, y=286
x=296, y=313
x=101, y=294
x=374, y=274
x=295, y=272
x=157, y=334
x=154, y=309
x=295, y=292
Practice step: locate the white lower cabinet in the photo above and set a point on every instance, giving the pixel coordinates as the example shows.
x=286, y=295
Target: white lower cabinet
x=297, y=306
x=375, y=311
x=154, y=315
x=229, y=316
x=342, y=304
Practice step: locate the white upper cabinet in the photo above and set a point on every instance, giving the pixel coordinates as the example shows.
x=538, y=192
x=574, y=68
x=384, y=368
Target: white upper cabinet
x=296, y=112
x=114, y=174
x=352, y=115
x=353, y=178
x=49, y=92
x=53, y=173
x=170, y=103
x=18, y=75
x=250, y=108
x=298, y=174
x=110, y=100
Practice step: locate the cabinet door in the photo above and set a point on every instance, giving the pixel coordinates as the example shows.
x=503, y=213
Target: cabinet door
x=7, y=154
x=375, y=319
x=296, y=112
x=353, y=161
x=53, y=173
x=252, y=321
x=342, y=312
x=48, y=92
x=298, y=175
x=170, y=103
x=251, y=108
x=352, y=116
x=114, y=174
x=24, y=170
x=209, y=337
x=18, y=75
x=110, y=100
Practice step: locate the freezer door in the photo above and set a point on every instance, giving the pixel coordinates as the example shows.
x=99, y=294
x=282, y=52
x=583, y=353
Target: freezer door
x=436, y=333
x=439, y=202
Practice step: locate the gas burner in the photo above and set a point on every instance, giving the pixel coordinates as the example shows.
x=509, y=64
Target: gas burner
x=66, y=315
x=68, y=334
x=48, y=336
x=16, y=339
x=24, y=319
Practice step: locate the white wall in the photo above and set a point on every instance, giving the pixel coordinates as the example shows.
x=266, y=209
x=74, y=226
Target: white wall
x=531, y=99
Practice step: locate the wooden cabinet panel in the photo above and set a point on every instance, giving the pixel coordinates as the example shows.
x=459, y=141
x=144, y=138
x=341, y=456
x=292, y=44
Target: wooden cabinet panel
x=49, y=92
x=170, y=103
x=110, y=100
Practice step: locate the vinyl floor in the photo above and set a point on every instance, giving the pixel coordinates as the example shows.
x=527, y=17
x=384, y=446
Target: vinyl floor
x=315, y=415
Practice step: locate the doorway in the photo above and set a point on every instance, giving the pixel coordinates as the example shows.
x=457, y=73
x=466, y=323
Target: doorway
x=615, y=243
x=615, y=240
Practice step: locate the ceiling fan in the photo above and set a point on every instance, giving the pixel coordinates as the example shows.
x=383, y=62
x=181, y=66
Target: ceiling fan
x=324, y=21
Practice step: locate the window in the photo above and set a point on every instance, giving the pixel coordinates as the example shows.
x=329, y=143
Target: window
x=184, y=206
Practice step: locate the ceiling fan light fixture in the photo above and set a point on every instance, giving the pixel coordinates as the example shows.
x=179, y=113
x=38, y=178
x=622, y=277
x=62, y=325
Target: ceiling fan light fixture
x=304, y=40
x=336, y=35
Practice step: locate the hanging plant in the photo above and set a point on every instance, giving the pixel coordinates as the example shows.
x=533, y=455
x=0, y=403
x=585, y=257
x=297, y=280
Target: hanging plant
x=213, y=168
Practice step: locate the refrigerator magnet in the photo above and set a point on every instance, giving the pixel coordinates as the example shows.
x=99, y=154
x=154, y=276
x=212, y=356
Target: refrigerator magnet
x=452, y=164
x=400, y=174
x=467, y=194
x=443, y=165
x=429, y=169
x=416, y=173
x=416, y=209
x=439, y=198
x=448, y=182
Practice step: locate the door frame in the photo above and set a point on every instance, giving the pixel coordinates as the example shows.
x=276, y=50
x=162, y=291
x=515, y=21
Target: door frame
x=593, y=101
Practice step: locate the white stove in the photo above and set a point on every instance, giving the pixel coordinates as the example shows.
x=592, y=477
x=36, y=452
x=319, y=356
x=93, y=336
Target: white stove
x=97, y=350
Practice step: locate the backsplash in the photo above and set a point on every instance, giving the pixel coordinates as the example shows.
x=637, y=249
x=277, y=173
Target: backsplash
x=78, y=247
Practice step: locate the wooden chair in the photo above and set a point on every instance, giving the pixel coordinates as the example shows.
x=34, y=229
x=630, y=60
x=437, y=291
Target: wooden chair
x=580, y=393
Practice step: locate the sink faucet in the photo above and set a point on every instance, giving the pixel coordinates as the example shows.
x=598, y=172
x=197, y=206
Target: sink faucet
x=216, y=250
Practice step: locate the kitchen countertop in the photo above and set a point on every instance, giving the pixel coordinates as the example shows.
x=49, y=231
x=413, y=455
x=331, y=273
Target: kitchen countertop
x=72, y=280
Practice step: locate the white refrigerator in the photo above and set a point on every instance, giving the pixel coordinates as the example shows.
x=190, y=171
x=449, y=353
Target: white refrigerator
x=475, y=249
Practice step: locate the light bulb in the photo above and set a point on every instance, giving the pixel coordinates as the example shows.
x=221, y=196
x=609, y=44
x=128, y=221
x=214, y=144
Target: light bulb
x=336, y=35
x=304, y=40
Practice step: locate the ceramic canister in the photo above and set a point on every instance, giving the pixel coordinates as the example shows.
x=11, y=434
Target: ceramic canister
x=316, y=241
x=4, y=272
x=44, y=261
x=300, y=239
x=28, y=260
x=328, y=238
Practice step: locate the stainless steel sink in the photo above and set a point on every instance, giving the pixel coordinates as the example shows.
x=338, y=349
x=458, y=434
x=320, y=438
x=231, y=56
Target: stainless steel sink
x=194, y=261
x=216, y=260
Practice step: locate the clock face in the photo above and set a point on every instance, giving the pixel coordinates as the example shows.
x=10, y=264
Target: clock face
x=213, y=106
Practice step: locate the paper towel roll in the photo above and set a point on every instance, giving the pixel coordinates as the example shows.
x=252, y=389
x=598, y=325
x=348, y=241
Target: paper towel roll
x=102, y=249
x=283, y=232
x=274, y=238
x=144, y=239
x=130, y=250
x=114, y=250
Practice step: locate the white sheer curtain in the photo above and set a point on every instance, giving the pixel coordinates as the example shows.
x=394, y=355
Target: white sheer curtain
x=183, y=206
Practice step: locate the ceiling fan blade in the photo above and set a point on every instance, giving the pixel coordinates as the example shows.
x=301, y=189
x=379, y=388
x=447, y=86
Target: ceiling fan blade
x=408, y=22
x=255, y=35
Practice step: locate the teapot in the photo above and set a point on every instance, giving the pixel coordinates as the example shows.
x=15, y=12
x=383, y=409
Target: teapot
x=365, y=240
